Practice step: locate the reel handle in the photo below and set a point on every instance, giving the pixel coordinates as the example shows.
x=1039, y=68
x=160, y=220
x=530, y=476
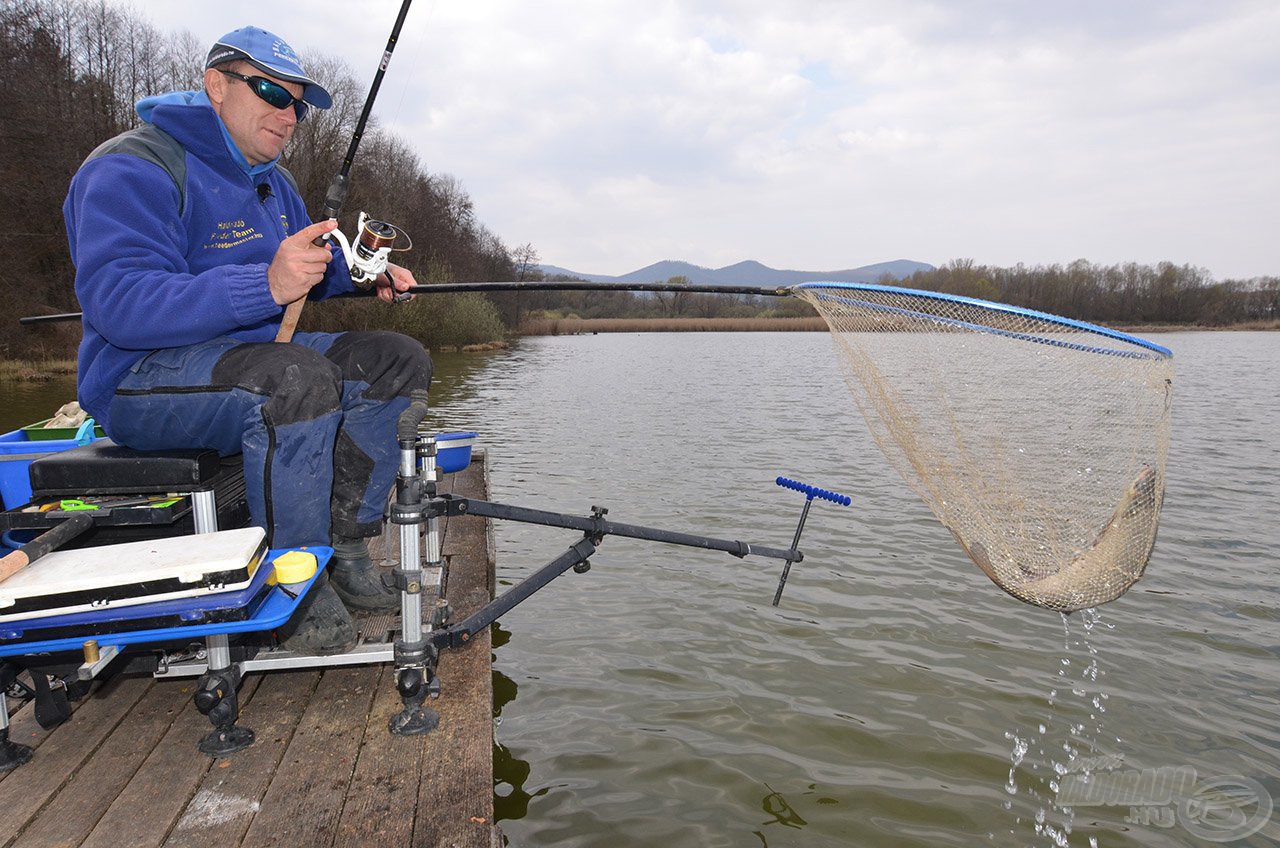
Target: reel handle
x=814, y=492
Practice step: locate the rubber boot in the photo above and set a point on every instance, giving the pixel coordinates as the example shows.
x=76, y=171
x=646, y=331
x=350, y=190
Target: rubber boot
x=321, y=625
x=360, y=584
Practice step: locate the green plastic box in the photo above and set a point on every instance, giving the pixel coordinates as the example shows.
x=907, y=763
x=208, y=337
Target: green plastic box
x=37, y=432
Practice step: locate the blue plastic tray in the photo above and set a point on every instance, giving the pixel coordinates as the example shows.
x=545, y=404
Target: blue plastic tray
x=274, y=611
x=17, y=450
x=194, y=609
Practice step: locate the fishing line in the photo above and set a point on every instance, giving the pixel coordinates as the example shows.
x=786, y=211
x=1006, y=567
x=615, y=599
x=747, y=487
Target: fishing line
x=417, y=57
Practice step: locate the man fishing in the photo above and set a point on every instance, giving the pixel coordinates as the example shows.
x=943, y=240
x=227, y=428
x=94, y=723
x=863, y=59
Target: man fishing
x=189, y=240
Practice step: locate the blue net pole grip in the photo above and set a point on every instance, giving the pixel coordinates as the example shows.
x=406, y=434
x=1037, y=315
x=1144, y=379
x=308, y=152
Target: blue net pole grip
x=814, y=492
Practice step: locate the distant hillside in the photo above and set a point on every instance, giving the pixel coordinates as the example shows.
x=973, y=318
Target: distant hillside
x=748, y=273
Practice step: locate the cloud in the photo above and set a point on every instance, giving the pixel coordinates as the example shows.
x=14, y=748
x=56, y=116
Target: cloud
x=830, y=134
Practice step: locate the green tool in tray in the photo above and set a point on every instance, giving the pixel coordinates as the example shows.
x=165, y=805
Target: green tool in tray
x=37, y=432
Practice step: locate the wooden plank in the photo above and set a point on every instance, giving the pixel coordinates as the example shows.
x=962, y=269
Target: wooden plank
x=75, y=809
x=382, y=799
x=23, y=726
x=455, y=802
x=162, y=786
x=63, y=752
x=304, y=801
x=229, y=796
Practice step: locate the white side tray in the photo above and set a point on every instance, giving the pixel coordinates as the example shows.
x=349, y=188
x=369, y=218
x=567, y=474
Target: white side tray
x=133, y=573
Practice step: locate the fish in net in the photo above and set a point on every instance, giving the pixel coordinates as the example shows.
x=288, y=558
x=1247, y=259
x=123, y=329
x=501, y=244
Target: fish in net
x=1038, y=441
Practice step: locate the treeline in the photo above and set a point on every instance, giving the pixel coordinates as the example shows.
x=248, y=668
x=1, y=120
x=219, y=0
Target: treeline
x=1126, y=294
x=73, y=71
x=1113, y=294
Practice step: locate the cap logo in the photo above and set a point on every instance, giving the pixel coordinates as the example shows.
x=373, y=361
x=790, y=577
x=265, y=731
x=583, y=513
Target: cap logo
x=285, y=53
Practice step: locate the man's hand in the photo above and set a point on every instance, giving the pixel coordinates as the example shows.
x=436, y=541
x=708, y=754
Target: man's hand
x=298, y=264
x=394, y=281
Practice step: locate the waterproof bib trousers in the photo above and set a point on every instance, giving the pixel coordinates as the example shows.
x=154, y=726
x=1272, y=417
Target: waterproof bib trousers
x=315, y=420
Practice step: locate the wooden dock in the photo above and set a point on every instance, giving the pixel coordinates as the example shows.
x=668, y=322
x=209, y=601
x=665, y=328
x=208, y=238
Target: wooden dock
x=323, y=771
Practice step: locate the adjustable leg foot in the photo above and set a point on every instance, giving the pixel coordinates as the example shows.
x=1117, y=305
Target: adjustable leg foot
x=224, y=741
x=415, y=718
x=12, y=754
x=216, y=698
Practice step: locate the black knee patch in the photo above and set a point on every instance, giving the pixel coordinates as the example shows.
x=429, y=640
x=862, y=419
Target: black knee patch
x=352, y=471
x=302, y=384
x=391, y=364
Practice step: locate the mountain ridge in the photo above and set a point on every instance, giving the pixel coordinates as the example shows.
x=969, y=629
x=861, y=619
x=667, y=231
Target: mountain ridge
x=747, y=272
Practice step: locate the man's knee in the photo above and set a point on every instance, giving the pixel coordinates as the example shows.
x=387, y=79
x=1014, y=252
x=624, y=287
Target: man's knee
x=391, y=364
x=301, y=384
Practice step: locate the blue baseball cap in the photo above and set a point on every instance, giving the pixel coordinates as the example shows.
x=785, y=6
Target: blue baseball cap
x=270, y=54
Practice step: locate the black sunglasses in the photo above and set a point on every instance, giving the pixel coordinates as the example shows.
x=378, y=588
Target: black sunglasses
x=272, y=93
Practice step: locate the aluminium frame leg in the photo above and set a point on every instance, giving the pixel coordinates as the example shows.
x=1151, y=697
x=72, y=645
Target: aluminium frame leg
x=216, y=698
x=415, y=656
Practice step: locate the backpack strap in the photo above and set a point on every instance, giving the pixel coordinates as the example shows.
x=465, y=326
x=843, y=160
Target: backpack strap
x=288, y=177
x=153, y=144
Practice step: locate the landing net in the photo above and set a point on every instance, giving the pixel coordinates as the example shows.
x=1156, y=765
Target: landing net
x=1038, y=441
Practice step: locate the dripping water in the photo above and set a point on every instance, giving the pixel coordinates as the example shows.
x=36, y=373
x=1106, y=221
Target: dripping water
x=1065, y=739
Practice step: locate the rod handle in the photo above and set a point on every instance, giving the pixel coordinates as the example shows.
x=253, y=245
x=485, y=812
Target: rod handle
x=48, y=541
x=814, y=492
x=289, y=322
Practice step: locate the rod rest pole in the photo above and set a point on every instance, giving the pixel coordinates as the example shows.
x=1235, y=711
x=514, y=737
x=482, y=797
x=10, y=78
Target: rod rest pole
x=460, y=634
x=411, y=419
x=597, y=525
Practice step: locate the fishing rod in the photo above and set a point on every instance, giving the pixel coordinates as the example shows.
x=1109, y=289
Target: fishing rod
x=374, y=238
x=540, y=285
x=526, y=285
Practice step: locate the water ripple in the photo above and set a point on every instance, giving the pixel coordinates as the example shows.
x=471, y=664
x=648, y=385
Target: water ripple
x=662, y=700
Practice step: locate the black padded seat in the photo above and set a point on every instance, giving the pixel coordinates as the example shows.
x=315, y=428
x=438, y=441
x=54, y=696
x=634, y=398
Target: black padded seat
x=103, y=467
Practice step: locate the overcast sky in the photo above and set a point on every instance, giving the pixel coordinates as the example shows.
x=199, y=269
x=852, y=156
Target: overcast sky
x=822, y=135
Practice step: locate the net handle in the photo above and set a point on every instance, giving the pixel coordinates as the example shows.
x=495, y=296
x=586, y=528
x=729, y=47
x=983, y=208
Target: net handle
x=996, y=307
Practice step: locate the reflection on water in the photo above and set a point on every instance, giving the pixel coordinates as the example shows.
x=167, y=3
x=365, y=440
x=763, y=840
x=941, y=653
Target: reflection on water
x=510, y=800
x=662, y=700
x=28, y=402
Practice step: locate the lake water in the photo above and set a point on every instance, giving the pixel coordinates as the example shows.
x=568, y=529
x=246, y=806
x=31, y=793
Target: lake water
x=896, y=697
x=660, y=699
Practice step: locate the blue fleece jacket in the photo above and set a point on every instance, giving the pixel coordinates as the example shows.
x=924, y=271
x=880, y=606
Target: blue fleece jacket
x=152, y=275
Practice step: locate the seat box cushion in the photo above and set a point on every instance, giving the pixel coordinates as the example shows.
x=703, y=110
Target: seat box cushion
x=103, y=467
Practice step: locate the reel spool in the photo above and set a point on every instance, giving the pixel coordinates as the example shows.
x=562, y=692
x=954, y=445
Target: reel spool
x=373, y=247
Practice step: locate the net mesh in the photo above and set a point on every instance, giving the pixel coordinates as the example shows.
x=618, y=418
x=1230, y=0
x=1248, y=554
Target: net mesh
x=1039, y=443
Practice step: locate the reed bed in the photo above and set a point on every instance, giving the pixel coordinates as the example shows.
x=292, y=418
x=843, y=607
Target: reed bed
x=35, y=370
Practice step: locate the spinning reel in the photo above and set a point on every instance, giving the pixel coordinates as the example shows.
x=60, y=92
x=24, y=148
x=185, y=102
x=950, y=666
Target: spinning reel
x=374, y=245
